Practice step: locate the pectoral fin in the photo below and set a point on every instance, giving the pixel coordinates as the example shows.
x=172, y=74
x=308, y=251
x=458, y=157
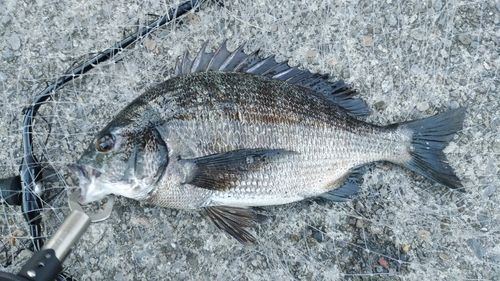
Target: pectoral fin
x=233, y=220
x=222, y=171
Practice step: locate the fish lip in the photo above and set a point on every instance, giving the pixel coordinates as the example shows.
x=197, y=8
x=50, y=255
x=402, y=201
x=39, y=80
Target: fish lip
x=84, y=171
x=87, y=177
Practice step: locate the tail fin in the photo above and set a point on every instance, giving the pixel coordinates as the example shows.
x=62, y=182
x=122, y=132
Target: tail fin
x=430, y=136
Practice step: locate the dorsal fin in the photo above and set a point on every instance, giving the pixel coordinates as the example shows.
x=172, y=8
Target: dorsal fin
x=238, y=61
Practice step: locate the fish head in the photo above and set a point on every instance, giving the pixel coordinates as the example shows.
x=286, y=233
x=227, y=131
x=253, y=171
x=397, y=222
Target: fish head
x=121, y=162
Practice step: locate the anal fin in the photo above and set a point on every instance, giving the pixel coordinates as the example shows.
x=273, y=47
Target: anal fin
x=349, y=188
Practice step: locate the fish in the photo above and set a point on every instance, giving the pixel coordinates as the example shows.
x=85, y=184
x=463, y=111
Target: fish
x=229, y=131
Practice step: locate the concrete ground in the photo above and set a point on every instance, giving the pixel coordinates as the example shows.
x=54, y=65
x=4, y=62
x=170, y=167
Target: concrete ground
x=408, y=59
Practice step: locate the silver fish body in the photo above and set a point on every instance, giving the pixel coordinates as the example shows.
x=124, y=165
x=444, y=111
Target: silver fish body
x=230, y=132
x=244, y=113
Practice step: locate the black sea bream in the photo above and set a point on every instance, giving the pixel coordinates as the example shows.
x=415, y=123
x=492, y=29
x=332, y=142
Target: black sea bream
x=229, y=131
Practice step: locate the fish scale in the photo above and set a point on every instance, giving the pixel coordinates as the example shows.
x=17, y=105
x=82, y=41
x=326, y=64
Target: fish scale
x=318, y=148
x=230, y=131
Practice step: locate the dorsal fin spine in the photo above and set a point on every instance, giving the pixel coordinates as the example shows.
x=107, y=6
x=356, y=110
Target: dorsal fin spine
x=238, y=61
x=197, y=60
x=232, y=57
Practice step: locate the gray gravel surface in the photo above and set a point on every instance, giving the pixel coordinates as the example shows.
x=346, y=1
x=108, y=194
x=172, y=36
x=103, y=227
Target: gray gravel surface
x=408, y=59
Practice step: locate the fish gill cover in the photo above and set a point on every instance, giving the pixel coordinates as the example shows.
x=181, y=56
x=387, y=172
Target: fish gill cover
x=407, y=61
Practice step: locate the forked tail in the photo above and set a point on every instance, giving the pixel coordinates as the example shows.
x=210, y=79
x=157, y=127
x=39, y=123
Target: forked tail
x=430, y=136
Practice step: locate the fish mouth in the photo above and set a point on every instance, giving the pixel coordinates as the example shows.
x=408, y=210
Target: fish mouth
x=84, y=172
x=86, y=176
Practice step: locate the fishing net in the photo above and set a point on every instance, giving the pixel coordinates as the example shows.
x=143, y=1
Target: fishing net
x=408, y=60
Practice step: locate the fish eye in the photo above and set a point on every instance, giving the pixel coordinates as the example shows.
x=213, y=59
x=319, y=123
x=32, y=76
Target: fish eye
x=105, y=143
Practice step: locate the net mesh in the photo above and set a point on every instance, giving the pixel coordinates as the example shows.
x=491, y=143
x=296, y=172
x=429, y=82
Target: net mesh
x=408, y=59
